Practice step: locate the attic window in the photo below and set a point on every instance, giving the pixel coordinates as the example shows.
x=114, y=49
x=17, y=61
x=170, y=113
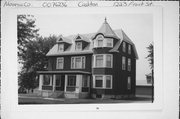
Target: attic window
x=124, y=47
x=61, y=47
x=78, y=46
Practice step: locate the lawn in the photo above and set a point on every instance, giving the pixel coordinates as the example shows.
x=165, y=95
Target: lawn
x=33, y=99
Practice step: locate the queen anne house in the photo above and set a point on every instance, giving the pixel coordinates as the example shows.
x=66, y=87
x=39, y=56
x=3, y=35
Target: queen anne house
x=98, y=65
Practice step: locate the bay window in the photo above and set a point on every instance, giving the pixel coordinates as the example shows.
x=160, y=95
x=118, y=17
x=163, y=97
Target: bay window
x=100, y=41
x=102, y=81
x=103, y=60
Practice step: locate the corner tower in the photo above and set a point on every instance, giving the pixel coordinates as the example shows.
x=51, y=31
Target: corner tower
x=103, y=67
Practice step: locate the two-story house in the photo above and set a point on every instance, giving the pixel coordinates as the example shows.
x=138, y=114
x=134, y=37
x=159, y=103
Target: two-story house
x=98, y=65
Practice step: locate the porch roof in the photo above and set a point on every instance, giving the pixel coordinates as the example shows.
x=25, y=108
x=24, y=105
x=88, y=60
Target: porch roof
x=63, y=72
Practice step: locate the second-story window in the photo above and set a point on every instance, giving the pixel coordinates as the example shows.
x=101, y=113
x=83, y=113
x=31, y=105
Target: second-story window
x=123, y=63
x=124, y=47
x=78, y=46
x=60, y=47
x=129, y=49
x=99, y=61
x=109, y=60
x=78, y=62
x=103, y=60
x=60, y=63
x=129, y=64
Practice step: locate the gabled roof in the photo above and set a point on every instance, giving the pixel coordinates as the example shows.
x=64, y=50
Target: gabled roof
x=71, y=49
x=106, y=30
x=82, y=38
x=123, y=37
x=62, y=39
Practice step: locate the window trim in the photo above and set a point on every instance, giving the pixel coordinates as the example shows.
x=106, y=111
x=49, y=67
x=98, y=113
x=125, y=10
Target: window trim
x=57, y=66
x=103, y=82
x=68, y=80
x=129, y=49
x=73, y=62
x=59, y=80
x=129, y=64
x=123, y=63
x=50, y=83
x=129, y=83
x=124, y=46
x=104, y=61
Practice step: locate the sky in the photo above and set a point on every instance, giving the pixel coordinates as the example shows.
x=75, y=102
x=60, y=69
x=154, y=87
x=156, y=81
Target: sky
x=138, y=27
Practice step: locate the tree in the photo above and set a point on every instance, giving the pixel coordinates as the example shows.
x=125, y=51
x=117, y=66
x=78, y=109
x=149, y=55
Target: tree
x=34, y=59
x=32, y=51
x=26, y=31
x=150, y=58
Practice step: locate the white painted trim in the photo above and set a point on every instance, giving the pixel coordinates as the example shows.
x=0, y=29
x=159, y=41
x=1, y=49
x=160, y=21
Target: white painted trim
x=74, y=58
x=40, y=81
x=104, y=81
x=104, y=61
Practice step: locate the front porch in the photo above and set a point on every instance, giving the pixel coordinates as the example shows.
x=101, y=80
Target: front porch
x=64, y=85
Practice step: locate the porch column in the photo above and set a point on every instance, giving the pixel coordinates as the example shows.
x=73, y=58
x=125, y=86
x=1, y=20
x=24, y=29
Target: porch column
x=65, y=83
x=78, y=83
x=54, y=83
x=40, y=81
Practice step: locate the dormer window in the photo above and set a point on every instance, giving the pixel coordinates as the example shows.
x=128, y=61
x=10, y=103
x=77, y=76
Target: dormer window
x=78, y=46
x=60, y=47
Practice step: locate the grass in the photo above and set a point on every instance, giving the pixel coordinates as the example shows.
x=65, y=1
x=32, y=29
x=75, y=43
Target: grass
x=33, y=99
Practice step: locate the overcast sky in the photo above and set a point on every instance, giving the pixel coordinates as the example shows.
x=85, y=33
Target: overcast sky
x=138, y=27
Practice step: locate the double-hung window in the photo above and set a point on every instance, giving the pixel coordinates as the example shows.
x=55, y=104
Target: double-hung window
x=47, y=80
x=129, y=64
x=99, y=61
x=103, y=60
x=123, y=63
x=129, y=49
x=60, y=63
x=100, y=41
x=60, y=47
x=58, y=80
x=85, y=81
x=109, y=42
x=102, y=81
x=78, y=62
x=108, y=60
x=129, y=83
x=71, y=81
x=124, y=47
x=78, y=46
